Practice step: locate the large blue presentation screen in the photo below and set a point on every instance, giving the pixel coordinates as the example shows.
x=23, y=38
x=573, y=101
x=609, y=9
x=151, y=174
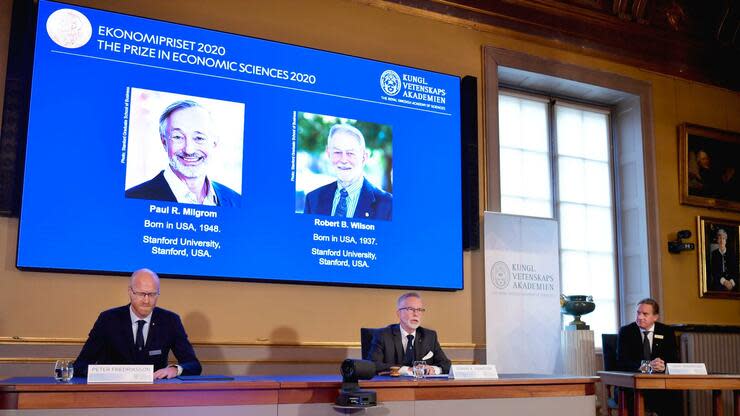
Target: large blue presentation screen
x=199, y=153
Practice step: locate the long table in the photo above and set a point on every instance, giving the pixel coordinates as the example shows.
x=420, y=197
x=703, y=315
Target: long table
x=660, y=381
x=513, y=394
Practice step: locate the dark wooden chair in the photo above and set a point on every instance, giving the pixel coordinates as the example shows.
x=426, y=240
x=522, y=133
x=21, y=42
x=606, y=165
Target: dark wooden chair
x=366, y=339
x=609, y=349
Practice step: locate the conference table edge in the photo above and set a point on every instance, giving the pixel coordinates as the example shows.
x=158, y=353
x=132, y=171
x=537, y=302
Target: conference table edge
x=671, y=382
x=434, y=389
x=68, y=396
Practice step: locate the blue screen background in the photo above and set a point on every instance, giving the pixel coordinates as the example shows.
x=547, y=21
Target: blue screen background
x=75, y=216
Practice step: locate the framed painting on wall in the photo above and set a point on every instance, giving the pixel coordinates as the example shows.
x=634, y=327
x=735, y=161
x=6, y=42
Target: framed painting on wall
x=719, y=257
x=709, y=167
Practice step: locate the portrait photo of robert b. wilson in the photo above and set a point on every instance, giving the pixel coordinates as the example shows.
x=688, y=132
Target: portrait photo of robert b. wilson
x=344, y=168
x=184, y=149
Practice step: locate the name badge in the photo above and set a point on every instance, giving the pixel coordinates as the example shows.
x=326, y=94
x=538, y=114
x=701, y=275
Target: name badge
x=686, y=369
x=120, y=373
x=155, y=352
x=473, y=372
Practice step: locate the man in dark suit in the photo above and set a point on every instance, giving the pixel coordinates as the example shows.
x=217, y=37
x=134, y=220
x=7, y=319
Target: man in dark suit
x=188, y=136
x=139, y=333
x=647, y=339
x=159, y=189
x=351, y=195
x=723, y=265
x=399, y=345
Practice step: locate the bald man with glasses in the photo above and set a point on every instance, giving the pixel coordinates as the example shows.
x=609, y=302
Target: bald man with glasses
x=140, y=333
x=399, y=345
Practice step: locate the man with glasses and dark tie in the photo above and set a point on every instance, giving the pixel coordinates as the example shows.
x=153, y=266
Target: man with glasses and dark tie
x=351, y=195
x=140, y=333
x=649, y=340
x=399, y=345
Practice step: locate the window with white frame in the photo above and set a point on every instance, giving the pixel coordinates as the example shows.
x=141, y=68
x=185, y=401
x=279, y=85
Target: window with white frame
x=555, y=162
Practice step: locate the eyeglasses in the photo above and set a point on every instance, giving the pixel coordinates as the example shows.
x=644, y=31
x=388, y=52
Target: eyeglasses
x=197, y=139
x=338, y=153
x=412, y=310
x=142, y=295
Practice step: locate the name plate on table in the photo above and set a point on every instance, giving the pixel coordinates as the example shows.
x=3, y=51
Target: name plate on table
x=686, y=369
x=473, y=372
x=120, y=373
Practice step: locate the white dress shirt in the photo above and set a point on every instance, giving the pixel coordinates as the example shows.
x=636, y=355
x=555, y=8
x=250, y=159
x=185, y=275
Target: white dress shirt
x=183, y=193
x=650, y=334
x=407, y=370
x=135, y=326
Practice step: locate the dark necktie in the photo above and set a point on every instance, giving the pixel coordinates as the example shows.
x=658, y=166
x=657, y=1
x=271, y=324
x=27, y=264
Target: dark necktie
x=408, y=358
x=140, y=334
x=341, y=210
x=646, y=346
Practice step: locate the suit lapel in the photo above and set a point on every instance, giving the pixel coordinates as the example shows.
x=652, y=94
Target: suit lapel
x=637, y=337
x=418, y=342
x=128, y=333
x=634, y=340
x=397, y=343
x=164, y=188
x=365, y=202
x=153, y=331
x=326, y=199
x=655, y=352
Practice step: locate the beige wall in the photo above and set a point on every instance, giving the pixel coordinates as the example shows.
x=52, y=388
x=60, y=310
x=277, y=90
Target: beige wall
x=252, y=312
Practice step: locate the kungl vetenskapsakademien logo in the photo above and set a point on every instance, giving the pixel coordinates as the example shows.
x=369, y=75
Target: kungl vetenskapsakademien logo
x=69, y=28
x=390, y=82
x=500, y=275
